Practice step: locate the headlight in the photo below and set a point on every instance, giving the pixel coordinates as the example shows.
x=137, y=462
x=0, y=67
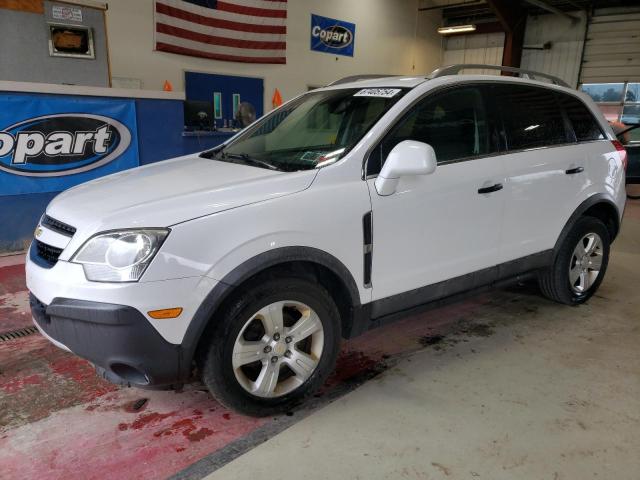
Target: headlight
x=120, y=256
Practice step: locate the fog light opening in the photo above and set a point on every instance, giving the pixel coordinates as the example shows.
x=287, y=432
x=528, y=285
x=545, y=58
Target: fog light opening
x=130, y=374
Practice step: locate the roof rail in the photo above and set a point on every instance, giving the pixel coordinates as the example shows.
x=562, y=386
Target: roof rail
x=355, y=78
x=456, y=69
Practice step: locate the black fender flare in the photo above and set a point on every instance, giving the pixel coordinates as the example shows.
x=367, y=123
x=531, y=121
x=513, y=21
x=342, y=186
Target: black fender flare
x=246, y=270
x=579, y=212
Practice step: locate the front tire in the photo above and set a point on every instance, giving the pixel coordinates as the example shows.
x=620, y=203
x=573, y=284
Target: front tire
x=580, y=264
x=275, y=344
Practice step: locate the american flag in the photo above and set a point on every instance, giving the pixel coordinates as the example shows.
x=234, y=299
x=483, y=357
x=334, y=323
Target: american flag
x=252, y=31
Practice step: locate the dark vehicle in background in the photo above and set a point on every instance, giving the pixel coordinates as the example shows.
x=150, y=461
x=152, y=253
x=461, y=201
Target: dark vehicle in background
x=630, y=138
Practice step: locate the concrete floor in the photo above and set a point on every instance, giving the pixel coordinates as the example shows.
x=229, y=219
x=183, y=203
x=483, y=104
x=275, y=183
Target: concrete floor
x=532, y=390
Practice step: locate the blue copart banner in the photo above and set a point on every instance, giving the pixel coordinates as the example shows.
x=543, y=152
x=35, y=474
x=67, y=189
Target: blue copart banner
x=332, y=36
x=50, y=143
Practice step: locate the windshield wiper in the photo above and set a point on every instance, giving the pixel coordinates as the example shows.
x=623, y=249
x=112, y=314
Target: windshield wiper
x=212, y=152
x=247, y=159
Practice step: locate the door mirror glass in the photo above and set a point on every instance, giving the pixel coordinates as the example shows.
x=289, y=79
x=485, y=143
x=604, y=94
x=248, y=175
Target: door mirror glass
x=407, y=158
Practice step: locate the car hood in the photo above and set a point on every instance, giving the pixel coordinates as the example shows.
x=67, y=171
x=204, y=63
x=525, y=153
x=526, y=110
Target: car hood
x=170, y=192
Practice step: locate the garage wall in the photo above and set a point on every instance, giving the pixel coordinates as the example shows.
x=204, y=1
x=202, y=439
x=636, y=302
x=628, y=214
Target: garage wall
x=567, y=41
x=481, y=48
x=391, y=37
x=562, y=60
x=612, y=50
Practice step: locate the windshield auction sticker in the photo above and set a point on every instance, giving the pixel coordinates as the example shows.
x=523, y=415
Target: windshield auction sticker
x=378, y=92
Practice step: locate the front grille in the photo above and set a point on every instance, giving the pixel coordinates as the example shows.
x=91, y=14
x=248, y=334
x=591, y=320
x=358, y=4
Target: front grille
x=58, y=226
x=48, y=253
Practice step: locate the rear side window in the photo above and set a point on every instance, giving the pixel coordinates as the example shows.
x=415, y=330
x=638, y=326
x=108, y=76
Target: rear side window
x=584, y=125
x=454, y=123
x=532, y=116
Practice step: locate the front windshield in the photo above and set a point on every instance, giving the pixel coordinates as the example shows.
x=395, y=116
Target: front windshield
x=313, y=131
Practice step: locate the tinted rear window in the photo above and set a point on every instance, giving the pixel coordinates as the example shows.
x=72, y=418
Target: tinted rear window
x=532, y=116
x=584, y=125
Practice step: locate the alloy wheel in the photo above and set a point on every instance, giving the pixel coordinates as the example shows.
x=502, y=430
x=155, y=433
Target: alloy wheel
x=278, y=349
x=586, y=263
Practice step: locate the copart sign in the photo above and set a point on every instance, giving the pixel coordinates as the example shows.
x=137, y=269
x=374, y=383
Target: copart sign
x=332, y=36
x=52, y=143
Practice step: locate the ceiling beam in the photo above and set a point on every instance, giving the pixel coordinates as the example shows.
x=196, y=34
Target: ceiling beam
x=509, y=13
x=551, y=8
x=451, y=5
x=513, y=18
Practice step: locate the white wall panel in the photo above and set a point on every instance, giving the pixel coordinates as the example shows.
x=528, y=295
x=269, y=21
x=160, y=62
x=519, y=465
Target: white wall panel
x=567, y=40
x=481, y=48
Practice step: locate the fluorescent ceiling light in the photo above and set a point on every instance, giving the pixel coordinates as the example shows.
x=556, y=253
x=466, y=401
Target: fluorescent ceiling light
x=456, y=29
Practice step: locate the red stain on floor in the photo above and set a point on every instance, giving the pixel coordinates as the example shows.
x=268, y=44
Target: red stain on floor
x=14, y=311
x=188, y=428
x=16, y=384
x=150, y=419
x=12, y=279
x=73, y=368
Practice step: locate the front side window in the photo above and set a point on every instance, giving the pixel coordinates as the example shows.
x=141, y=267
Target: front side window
x=313, y=131
x=532, y=116
x=454, y=123
x=584, y=125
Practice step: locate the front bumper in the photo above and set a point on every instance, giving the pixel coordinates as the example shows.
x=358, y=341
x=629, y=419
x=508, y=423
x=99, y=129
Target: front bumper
x=108, y=323
x=116, y=338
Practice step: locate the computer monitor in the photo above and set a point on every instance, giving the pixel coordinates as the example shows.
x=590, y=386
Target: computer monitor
x=198, y=115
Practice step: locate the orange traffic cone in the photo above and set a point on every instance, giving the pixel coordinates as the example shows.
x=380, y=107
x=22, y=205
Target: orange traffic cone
x=167, y=86
x=276, y=100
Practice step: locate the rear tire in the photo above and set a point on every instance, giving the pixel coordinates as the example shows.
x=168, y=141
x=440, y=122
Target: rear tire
x=580, y=264
x=262, y=358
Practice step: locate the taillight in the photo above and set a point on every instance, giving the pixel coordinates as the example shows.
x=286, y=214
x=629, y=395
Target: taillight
x=623, y=153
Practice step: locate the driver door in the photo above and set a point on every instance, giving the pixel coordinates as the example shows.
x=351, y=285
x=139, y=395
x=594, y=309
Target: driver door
x=438, y=233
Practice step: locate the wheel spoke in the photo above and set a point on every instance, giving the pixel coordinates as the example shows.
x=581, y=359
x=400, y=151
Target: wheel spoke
x=583, y=285
x=307, y=325
x=579, y=251
x=592, y=243
x=574, y=274
x=302, y=364
x=272, y=318
x=245, y=352
x=267, y=380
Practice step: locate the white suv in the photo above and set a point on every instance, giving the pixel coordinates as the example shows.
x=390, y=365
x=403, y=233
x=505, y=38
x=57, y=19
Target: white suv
x=346, y=207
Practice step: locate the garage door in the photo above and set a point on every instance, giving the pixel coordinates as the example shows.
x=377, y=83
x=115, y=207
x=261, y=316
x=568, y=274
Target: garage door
x=612, y=49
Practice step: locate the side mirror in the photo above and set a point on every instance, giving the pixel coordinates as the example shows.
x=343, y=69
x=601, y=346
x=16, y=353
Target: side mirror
x=407, y=158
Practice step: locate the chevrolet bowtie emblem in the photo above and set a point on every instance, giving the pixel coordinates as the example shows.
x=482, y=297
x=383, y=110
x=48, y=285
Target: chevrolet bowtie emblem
x=38, y=232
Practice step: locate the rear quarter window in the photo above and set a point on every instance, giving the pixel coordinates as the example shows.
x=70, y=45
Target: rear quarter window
x=582, y=120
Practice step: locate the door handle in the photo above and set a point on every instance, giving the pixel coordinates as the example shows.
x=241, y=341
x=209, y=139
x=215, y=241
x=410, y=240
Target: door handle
x=492, y=188
x=573, y=171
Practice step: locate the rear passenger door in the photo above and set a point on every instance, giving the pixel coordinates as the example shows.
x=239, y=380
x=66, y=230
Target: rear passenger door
x=544, y=163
